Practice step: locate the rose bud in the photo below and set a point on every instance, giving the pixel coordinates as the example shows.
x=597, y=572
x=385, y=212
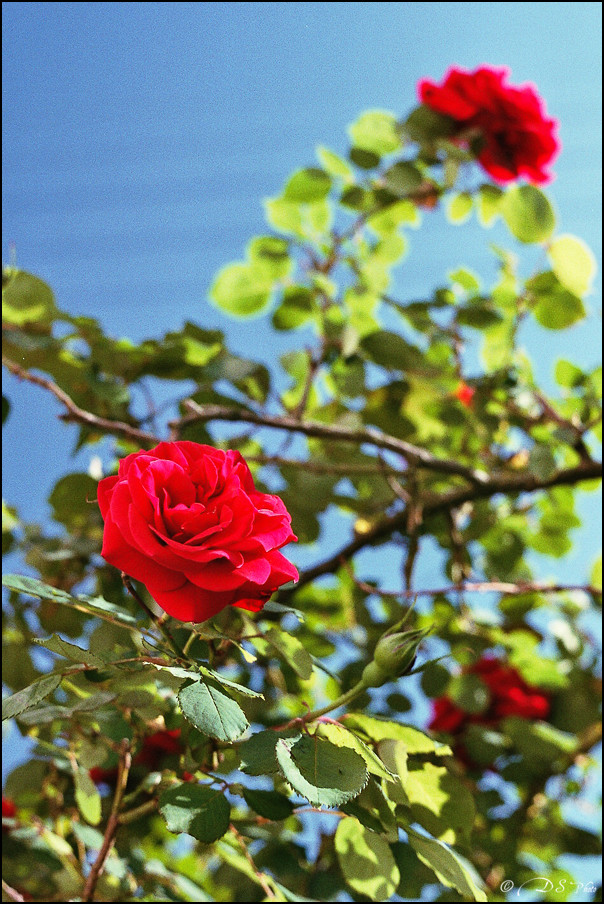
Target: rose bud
x=393, y=657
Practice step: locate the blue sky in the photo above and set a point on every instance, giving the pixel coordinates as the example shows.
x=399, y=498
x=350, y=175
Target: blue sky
x=140, y=139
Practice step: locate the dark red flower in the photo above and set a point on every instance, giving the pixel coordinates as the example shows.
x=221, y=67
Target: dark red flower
x=9, y=810
x=509, y=694
x=157, y=747
x=102, y=776
x=518, y=139
x=187, y=521
x=446, y=716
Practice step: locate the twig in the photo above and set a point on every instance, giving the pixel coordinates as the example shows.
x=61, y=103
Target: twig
x=507, y=484
x=414, y=454
x=261, y=877
x=75, y=413
x=113, y=822
x=326, y=467
x=508, y=589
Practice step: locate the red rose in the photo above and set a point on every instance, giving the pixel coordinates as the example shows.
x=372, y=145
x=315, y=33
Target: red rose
x=446, y=716
x=510, y=695
x=518, y=137
x=9, y=810
x=187, y=521
x=465, y=394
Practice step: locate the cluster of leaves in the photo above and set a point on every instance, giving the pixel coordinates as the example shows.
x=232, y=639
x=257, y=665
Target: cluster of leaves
x=286, y=803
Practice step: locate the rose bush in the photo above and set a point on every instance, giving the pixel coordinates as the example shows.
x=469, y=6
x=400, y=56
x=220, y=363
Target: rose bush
x=516, y=136
x=186, y=520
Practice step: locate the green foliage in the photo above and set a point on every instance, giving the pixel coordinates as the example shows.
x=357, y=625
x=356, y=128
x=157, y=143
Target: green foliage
x=297, y=708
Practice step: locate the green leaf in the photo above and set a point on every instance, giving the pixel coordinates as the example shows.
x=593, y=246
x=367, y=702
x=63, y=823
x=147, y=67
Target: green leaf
x=292, y=651
x=556, y=308
x=24, y=699
x=211, y=710
x=307, y=186
x=242, y=289
x=573, y=263
x=439, y=800
x=284, y=216
x=342, y=737
x=296, y=308
x=391, y=351
x=271, y=254
x=269, y=804
x=374, y=811
x=70, y=651
x=528, y=213
x=333, y=164
x=258, y=755
x=375, y=131
x=71, y=498
x=381, y=729
x=451, y=868
x=469, y=693
x=386, y=221
x=5, y=408
x=595, y=578
x=366, y=861
x=487, y=204
x=87, y=797
x=403, y=178
x=365, y=159
x=96, y=606
x=568, y=374
x=459, y=207
x=26, y=299
x=322, y=773
x=198, y=810
x=425, y=125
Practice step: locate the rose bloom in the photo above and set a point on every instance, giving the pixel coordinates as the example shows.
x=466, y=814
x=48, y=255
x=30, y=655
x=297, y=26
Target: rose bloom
x=187, y=521
x=464, y=394
x=518, y=137
x=510, y=695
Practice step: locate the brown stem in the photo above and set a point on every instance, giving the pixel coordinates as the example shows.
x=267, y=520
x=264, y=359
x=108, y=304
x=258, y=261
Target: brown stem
x=75, y=413
x=261, y=877
x=414, y=454
x=113, y=822
x=436, y=504
x=505, y=587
